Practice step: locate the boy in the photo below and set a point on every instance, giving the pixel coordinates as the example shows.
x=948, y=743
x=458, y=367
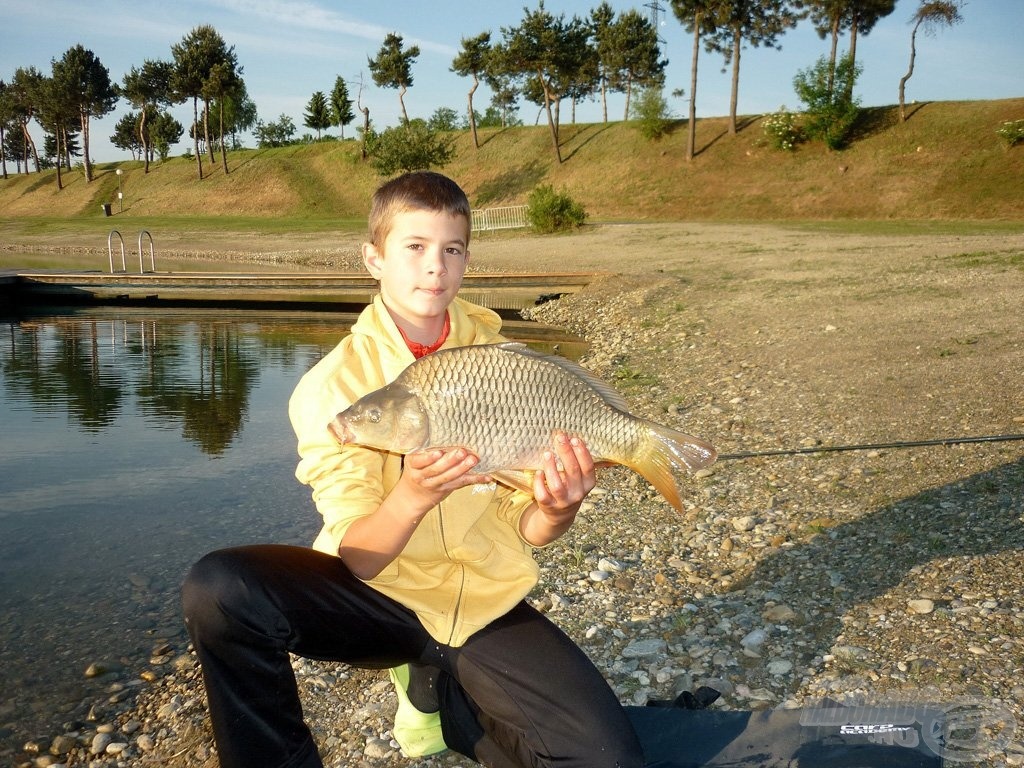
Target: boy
x=422, y=565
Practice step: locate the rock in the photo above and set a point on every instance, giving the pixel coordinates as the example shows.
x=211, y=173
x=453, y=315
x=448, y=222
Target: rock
x=624, y=584
x=921, y=605
x=609, y=565
x=780, y=667
x=145, y=742
x=753, y=641
x=96, y=669
x=645, y=649
x=170, y=709
x=745, y=523
x=63, y=744
x=779, y=614
x=377, y=749
x=99, y=743
x=558, y=602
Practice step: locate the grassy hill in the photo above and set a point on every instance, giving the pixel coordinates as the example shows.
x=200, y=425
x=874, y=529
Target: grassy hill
x=945, y=162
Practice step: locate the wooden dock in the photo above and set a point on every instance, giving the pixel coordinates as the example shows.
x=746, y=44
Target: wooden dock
x=310, y=290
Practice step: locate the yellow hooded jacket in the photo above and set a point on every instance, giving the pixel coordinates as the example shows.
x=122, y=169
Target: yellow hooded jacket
x=466, y=564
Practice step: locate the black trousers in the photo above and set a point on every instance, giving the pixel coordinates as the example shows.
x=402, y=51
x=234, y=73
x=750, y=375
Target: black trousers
x=518, y=693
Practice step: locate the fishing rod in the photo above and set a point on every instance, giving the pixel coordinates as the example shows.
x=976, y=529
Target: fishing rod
x=871, y=446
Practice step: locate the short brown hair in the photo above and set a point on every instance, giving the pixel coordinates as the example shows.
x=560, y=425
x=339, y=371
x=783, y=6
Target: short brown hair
x=416, y=191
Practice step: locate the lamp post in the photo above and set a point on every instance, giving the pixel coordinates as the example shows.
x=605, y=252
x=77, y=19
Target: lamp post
x=120, y=194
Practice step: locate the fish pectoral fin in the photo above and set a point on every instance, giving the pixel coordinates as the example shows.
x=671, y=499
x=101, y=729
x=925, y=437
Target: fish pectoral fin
x=521, y=480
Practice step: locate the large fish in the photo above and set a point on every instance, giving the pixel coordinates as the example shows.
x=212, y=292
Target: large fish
x=503, y=402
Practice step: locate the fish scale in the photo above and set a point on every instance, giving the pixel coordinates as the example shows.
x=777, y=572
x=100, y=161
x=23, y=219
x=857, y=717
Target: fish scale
x=503, y=402
x=530, y=401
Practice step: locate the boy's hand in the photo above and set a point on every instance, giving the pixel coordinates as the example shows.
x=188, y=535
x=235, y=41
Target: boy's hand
x=566, y=476
x=435, y=473
x=373, y=541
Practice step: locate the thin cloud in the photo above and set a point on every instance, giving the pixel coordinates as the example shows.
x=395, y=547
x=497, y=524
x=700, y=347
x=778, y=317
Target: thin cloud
x=307, y=15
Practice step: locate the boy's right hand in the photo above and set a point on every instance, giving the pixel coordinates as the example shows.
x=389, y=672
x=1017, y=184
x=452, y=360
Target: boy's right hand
x=373, y=541
x=435, y=473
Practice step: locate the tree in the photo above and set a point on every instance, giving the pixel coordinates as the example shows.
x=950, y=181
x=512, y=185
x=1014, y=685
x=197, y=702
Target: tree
x=318, y=114
x=57, y=109
x=393, y=67
x=698, y=17
x=833, y=17
x=582, y=76
x=602, y=19
x=472, y=62
x=6, y=119
x=126, y=135
x=147, y=89
x=223, y=81
x=758, y=22
x=164, y=132
x=239, y=112
x=25, y=91
x=444, y=119
x=194, y=76
x=930, y=14
x=504, y=93
x=636, y=56
x=85, y=82
x=365, y=131
x=341, y=106
x=864, y=14
x=275, y=134
x=548, y=51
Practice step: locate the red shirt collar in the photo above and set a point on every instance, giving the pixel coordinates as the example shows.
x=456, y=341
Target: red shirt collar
x=419, y=350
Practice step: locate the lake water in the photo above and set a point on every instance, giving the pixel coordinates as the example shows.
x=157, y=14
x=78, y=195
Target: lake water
x=133, y=441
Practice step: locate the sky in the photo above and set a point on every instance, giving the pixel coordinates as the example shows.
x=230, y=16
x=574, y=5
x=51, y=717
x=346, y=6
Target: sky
x=291, y=48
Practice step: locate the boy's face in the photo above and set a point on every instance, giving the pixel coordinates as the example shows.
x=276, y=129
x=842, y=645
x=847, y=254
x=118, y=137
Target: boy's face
x=420, y=266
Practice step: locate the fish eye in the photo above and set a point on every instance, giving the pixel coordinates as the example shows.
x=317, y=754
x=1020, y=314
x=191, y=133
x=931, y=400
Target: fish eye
x=373, y=415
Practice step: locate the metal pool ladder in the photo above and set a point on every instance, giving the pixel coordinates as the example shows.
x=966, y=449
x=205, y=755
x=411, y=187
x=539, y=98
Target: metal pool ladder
x=124, y=268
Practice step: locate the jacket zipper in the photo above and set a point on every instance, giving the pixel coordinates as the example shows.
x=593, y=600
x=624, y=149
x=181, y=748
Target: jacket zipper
x=462, y=575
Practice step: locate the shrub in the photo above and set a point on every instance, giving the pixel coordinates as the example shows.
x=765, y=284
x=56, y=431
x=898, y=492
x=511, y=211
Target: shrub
x=782, y=131
x=411, y=147
x=1011, y=132
x=651, y=112
x=550, y=211
x=831, y=109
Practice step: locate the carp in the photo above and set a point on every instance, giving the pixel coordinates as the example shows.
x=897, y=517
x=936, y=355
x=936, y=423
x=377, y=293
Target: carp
x=503, y=402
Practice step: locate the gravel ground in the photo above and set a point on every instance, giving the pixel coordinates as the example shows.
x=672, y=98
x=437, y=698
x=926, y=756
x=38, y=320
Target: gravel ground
x=883, y=573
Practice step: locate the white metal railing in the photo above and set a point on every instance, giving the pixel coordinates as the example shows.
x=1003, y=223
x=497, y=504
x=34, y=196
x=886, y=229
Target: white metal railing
x=152, y=259
x=509, y=217
x=110, y=250
x=124, y=268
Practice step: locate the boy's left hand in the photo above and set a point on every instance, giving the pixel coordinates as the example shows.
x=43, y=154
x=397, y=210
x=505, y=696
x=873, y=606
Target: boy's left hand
x=566, y=477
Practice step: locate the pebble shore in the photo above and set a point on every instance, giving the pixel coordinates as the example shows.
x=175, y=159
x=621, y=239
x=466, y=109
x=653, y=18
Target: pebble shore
x=864, y=575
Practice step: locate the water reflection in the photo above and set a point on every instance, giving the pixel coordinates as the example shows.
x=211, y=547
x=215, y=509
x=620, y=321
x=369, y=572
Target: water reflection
x=194, y=373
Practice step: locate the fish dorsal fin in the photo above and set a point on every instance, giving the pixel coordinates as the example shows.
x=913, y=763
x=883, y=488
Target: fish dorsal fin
x=605, y=390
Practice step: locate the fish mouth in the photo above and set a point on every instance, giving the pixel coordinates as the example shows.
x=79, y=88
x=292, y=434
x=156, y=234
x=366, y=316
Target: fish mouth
x=339, y=429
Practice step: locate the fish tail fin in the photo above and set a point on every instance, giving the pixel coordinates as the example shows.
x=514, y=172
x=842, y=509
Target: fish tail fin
x=666, y=450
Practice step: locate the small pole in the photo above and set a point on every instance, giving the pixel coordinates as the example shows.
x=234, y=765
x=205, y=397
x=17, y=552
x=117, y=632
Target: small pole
x=120, y=194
